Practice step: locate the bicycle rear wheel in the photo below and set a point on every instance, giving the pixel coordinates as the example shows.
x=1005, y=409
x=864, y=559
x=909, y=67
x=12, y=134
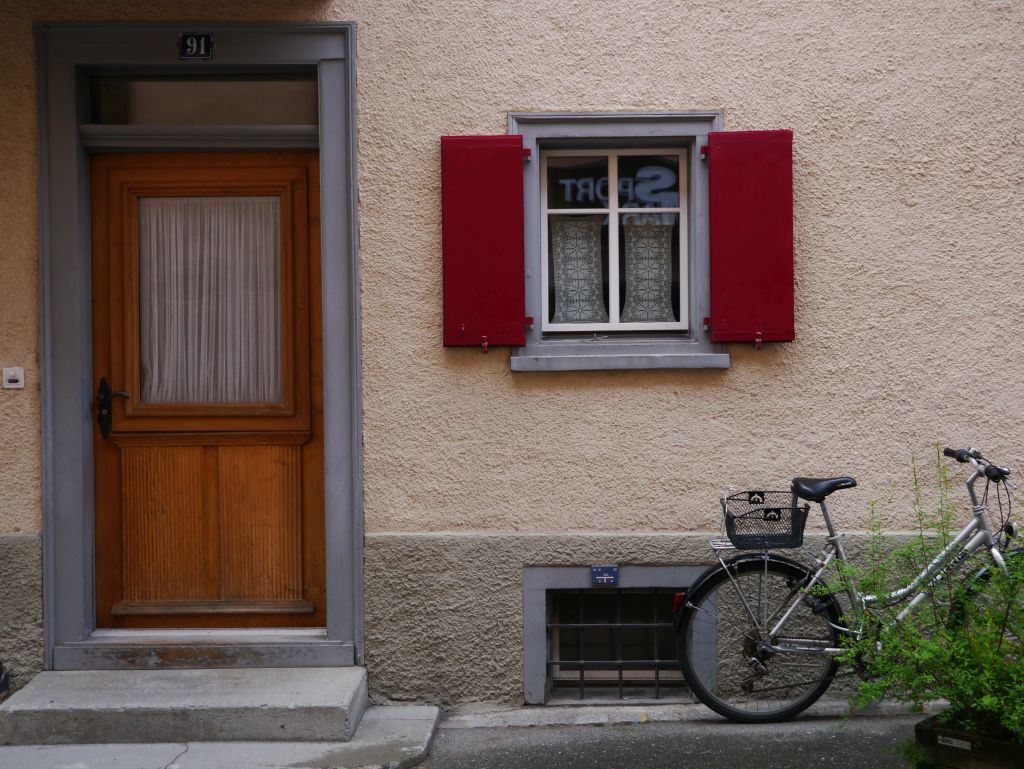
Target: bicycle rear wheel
x=723, y=632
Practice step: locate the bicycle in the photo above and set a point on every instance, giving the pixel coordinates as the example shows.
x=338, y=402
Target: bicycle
x=758, y=635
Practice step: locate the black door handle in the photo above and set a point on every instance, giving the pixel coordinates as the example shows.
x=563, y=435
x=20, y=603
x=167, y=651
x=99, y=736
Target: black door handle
x=104, y=398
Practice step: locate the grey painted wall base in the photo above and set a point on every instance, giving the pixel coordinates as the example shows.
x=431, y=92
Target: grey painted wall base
x=444, y=612
x=21, y=606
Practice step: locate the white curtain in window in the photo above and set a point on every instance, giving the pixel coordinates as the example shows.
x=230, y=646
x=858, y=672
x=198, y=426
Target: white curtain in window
x=209, y=299
x=576, y=253
x=648, y=273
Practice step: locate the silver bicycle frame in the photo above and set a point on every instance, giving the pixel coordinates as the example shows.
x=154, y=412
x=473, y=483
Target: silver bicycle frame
x=976, y=535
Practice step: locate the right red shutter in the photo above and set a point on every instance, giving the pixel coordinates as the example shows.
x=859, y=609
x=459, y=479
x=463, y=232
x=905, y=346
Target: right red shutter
x=750, y=178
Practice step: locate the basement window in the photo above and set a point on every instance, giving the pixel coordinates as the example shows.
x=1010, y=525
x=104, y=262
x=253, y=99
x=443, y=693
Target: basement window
x=612, y=644
x=591, y=642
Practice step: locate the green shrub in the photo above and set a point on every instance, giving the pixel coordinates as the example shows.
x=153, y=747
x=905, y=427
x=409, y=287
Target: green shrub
x=963, y=643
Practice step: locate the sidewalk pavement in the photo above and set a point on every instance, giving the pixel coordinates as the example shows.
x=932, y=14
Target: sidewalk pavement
x=668, y=737
x=657, y=736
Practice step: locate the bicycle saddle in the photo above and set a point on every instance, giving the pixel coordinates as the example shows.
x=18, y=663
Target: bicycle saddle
x=816, y=489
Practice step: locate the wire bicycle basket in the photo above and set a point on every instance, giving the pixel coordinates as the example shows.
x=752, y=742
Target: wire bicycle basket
x=764, y=520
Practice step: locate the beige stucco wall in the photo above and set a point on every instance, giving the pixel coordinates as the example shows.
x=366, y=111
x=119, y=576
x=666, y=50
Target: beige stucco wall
x=908, y=162
x=909, y=235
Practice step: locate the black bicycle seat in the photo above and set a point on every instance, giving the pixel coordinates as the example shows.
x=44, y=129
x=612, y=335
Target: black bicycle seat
x=816, y=489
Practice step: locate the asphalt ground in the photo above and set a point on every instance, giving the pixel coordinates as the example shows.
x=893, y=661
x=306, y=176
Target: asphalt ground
x=859, y=742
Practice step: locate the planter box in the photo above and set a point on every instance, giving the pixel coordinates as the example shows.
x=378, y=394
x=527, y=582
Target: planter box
x=947, y=747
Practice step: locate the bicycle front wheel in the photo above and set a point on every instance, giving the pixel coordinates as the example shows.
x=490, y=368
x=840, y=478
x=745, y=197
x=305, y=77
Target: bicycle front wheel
x=727, y=655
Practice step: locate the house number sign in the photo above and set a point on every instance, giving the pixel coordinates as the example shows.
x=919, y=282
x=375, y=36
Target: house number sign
x=195, y=46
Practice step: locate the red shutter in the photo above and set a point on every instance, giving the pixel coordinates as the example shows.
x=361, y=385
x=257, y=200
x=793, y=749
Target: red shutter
x=750, y=174
x=482, y=240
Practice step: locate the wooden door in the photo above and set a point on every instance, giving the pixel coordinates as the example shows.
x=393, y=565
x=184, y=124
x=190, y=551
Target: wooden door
x=206, y=316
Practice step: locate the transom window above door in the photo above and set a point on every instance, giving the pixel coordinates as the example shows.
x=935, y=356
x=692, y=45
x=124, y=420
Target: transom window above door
x=613, y=234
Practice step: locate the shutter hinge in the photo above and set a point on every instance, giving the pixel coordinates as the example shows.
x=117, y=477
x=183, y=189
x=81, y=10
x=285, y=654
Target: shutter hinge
x=707, y=324
x=705, y=152
x=529, y=323
x=527, y=154
x=758, y=339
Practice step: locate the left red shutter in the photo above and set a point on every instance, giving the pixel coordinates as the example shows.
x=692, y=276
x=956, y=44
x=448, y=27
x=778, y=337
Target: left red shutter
x=482, y=240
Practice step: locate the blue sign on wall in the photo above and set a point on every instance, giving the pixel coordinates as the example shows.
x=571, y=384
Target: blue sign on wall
x=604, y=576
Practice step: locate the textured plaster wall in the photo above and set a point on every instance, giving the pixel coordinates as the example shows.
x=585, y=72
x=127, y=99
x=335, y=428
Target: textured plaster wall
x=909, y=213
x=909, y=232
x=21, y=610
x=909, y=159
x=19, y=409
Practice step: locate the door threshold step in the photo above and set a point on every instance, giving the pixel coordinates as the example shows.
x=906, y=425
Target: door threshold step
x=389, y=737
x=191, y=705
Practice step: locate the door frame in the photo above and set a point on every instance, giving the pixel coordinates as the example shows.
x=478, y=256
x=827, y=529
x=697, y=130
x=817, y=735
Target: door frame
x=65, y=53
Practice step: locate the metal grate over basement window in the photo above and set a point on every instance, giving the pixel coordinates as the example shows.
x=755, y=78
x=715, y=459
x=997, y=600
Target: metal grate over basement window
x=605, y=643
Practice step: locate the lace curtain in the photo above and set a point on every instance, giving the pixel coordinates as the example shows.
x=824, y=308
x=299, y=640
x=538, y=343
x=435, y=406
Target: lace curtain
x=209, y=299
x=648, y=273
x=576, y=250
x=578, y=283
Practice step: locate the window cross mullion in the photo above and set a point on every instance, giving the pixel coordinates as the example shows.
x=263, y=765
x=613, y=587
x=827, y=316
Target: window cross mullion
x=613, y=238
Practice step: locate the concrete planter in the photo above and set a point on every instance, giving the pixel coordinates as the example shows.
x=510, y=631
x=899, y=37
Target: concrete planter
x=949, y=747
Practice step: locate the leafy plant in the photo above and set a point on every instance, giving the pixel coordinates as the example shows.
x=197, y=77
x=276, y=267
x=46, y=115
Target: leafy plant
x=963, y=643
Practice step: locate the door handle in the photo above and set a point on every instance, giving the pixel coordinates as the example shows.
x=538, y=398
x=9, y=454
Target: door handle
x=104, y=398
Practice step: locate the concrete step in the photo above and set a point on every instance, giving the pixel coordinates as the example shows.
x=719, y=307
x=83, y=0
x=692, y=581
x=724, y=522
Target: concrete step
x=162, y=706
x=389, y=737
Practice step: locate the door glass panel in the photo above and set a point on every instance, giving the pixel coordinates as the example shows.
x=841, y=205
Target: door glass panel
x=209, y=299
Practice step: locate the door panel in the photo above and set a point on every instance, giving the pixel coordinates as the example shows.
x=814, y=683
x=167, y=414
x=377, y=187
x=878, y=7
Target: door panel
x=209, y=489
x=163, y=523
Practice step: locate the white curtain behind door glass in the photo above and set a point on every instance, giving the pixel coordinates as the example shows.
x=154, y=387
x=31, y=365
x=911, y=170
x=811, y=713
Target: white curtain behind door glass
x=209, y=299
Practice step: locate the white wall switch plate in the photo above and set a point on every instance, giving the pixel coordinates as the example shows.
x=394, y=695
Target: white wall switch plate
x=14, y=378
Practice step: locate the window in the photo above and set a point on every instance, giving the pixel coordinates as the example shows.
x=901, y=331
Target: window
x=582, y=641
x=614, y=240
x=616, y=251
x=223, y=100
x=617, y=241
x=605, y=644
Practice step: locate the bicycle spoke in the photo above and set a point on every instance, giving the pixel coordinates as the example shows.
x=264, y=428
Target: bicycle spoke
x=727, y=657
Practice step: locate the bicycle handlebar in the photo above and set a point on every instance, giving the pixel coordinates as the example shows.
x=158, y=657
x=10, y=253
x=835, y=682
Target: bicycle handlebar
x=962, y=455
x=982, y=465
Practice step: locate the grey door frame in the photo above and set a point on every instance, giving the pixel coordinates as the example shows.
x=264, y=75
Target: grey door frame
x=65, y=54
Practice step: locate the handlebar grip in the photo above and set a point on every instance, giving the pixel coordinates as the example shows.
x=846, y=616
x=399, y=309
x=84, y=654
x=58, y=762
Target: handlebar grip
x=960, y=455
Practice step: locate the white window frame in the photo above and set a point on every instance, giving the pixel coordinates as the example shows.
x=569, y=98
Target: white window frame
x=613, y=211
x=548, y=350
